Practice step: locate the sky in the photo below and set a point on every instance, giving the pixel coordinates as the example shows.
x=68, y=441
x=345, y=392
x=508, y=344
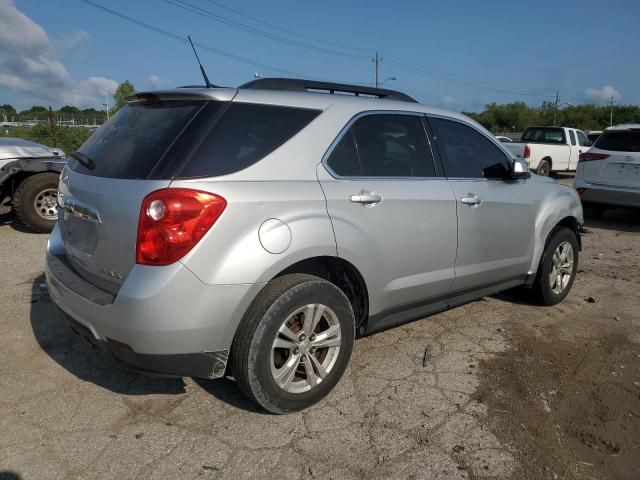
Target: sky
x=459, y=55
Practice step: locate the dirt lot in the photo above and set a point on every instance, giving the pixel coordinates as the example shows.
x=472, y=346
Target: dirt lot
x=510, y=391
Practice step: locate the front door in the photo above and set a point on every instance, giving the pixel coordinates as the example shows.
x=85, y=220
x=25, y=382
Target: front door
x=495, y=213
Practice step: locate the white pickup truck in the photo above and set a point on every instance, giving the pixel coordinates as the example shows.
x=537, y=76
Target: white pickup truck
x=550, y=149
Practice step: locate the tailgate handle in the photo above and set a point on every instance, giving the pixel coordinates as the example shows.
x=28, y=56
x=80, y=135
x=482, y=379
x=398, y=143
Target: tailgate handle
x=73, y=206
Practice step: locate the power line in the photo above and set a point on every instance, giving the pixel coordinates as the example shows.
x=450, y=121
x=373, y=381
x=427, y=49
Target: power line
x=184, y=40
x=247, y=28
x=424, y=72
x=286, y=30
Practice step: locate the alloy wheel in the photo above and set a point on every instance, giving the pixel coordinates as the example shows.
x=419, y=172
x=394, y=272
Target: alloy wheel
x=561, y=268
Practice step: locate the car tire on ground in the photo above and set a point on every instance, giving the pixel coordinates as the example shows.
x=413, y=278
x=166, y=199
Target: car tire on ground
x=557, y=269
x=294, y=343
x=35, y=201
x=544, y=168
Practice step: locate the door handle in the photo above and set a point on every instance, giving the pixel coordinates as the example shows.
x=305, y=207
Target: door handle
x=366, y=197
x=471, y=199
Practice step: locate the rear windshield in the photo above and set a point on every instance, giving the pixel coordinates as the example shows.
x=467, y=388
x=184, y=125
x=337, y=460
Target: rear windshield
x=179, y=139
x=133, y=141
x=619, y=141
x=544, y=135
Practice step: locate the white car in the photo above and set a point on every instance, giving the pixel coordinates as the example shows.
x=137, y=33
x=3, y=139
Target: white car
x=608, y=174
x=550, y=149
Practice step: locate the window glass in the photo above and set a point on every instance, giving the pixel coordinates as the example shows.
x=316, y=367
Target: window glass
x=134, y=140
x=466, y=153
x=393, y=146
x=582, y=139
x=544, y=135
x=245, y=134
x=344, y=157
x=572, y=137
x=619, y=141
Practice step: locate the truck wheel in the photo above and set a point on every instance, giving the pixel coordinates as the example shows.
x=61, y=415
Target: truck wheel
x=557, y=268
x=36, y=201
x=294, y=343
x=544, y=168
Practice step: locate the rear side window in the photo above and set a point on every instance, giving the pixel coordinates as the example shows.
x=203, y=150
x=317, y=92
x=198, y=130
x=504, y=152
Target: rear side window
x=572, y=136
x=544, y=135
x=383, y=145
x=243, y=135
x=467, y=153
x=619, y=141
x=134, y=140
x=582, y=139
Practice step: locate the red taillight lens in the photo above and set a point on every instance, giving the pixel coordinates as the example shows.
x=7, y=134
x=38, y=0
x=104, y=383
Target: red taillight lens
x=587, y=156
x=172, y=221
x=581, y=191
x=527, y=152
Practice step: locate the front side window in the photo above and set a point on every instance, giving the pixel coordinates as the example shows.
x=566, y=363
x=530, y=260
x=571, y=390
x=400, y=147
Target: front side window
x=466, y=153
x=572, y=137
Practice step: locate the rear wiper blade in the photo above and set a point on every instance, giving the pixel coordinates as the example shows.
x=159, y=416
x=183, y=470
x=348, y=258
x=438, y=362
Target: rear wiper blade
x=84, y=160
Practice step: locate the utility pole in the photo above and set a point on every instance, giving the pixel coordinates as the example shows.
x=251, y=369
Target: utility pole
x=611, y=111
x=106, y=96
x=377, y=61
x=555, y=110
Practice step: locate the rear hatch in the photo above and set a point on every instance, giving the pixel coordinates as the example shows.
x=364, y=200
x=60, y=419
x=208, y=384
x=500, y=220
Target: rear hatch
x=133, y=154
x=614, y=159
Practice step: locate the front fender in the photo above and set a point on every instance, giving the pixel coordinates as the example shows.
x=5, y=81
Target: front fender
x=557, y=203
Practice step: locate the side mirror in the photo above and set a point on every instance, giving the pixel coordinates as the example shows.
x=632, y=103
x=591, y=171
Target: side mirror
x=520, y=169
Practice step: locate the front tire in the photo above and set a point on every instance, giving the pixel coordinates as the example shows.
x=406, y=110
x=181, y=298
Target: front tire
x=557, y=269
x=35, y=202
x=294, y=343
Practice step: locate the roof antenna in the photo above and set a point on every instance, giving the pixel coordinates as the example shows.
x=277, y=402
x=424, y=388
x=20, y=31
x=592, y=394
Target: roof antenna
x=207, y=83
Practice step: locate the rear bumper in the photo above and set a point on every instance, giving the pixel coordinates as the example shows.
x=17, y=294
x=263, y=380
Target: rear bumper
x=617, y=196
x=163, y=319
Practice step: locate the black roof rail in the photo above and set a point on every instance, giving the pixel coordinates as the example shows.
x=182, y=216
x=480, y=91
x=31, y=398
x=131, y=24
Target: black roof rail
x=301, y=85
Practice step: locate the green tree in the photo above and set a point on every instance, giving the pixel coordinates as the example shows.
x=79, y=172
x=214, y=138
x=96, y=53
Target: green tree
x=124, y=89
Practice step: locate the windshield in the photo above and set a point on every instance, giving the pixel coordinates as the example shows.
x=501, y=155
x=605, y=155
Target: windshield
x=619, y=141
x=544, y=135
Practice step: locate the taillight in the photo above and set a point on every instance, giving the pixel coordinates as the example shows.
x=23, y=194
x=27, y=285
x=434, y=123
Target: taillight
x=581, y=191
x=527, y=152
x=172, y=221
x=588, y=156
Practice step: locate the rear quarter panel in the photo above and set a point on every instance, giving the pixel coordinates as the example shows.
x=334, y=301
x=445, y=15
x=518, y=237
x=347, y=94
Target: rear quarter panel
x=232, y=252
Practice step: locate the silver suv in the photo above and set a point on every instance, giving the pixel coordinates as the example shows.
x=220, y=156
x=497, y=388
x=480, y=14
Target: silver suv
x=258, y=231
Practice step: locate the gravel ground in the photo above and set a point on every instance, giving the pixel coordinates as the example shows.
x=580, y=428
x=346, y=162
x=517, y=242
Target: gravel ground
x=508, y=390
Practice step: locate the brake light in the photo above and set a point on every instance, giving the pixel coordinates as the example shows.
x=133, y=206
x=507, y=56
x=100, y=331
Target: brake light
x=172, y=221
x=581, y=191
x=588, y=156
x=527, y=152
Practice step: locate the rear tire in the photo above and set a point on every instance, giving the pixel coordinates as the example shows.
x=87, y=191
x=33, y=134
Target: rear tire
x=273, y=357
x=557, y=269
x=544, y=168
x=35, y=201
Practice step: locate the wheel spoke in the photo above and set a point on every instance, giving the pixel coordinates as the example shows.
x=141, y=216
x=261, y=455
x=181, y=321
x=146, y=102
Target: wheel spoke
x=285, y=375
x=282, y=343
x=286, y=332
x=332, y=331
x=312, y=315
x=318, y=366
x=312, y=378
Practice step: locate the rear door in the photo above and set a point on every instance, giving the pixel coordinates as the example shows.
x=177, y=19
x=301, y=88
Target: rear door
x=495, y=213
x=574, y=151
x=614, y=159
x=393, y=214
